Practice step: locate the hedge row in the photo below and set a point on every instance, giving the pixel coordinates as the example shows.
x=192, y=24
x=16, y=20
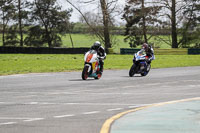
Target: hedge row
x=43, y=50
x=163, y=51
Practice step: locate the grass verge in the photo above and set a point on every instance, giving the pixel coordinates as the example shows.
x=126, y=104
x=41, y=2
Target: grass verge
x=39, y=63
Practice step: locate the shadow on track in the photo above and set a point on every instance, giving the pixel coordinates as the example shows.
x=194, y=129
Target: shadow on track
x=132, y=77
x=81, y=80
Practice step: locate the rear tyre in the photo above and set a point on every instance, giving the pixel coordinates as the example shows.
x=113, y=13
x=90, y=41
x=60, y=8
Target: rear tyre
x=99, y=74
x=85, y=73
x=132, y=70
x=147, y=70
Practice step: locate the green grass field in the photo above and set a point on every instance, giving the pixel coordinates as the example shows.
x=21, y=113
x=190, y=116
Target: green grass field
x=86, y=40
x=39, y=63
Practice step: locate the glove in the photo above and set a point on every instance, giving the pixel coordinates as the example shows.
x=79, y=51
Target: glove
x=149, y=60
x=101, y=58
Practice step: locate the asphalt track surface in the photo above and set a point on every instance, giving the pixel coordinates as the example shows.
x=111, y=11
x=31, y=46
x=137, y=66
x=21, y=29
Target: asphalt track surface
x=64, y=103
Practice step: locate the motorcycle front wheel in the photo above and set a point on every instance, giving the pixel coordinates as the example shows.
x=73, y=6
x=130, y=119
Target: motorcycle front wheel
x=132, y=70
x=85, y=73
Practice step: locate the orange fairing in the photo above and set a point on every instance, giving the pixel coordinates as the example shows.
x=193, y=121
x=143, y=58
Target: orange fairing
x=89, y=57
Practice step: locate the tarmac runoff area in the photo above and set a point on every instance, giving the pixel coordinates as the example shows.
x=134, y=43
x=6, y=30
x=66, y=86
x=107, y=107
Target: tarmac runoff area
x=181, y=116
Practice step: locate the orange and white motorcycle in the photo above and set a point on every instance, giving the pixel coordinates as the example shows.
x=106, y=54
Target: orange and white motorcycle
x=91, y=66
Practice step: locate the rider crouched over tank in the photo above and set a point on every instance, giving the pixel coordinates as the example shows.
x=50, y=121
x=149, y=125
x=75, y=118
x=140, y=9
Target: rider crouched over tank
x=149, y=52
x=142, y=61
x=93, y=66
x=101, y=53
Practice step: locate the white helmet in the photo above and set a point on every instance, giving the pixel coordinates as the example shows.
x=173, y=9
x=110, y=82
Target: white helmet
x=96, y=45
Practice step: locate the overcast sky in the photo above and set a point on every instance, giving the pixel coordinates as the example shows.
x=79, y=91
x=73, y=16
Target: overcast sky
x=76, y=14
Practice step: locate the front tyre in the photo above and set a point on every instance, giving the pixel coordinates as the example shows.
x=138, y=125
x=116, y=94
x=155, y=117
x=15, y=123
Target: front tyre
x=132, y=70
x=85, y=73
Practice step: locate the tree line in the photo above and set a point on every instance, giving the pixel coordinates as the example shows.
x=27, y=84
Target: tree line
x=42, y=23
x=180, y=18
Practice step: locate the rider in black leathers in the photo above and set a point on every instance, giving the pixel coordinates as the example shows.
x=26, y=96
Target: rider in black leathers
x=100, y=52
x=149, y=52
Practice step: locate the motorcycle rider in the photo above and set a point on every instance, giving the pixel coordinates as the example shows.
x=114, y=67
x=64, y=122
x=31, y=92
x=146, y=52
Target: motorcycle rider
x=100, y=52
x=149, y=52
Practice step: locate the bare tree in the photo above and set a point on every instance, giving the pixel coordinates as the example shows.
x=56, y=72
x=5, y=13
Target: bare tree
x=173, y=21
x=7, y=11
x=141, y=16
x=20, y=22
x=174, y=11
x=22, y=5
x=107, y=7
x=104, y=8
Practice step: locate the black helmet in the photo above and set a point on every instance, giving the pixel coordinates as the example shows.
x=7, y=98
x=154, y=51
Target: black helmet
x=145, y=46
x=96, y=45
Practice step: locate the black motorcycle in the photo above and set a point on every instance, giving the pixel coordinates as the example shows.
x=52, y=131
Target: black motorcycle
x=140, y=65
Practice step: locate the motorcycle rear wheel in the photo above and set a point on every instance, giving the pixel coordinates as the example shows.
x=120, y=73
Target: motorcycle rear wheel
x=99, y=74
x=85, y=73
x=146, y=72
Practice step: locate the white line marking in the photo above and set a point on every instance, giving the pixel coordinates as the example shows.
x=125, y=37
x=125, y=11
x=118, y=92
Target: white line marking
x=55, y=93
x=8, y=123
x=139, y=105
x=72, y=103
x=194, y=86
x=130, y=86
x=7, y=103
x=151, y=84
x=191, y=80
x=27, y=96
x=34, y=119
x=14, y=118
x=95, y=104
x=33, y=103
x=46, y=103
x=92, y=104
x=92, y=112
x=114, y=109
x=165, y=86
x=18, y=118
x=62, y=116
x=134, y=106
